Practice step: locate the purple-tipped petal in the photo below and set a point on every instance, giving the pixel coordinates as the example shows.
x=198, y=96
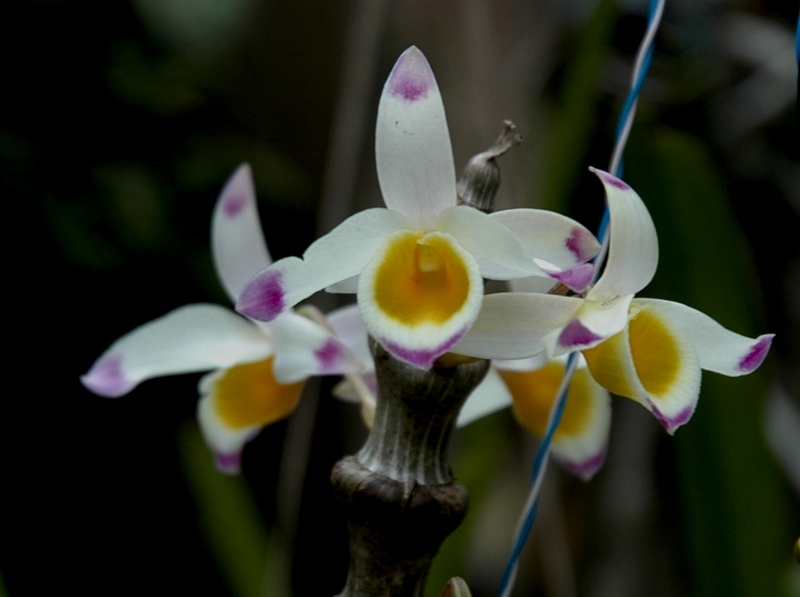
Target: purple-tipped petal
x=550, y=237
x=718, y=349
x=585, y=469
x=337, y=256
x=577, y=278
x=672, y=423
x=753, y=359
x=411, y=78
x=328, y=355
x=228, y=463
x=582, y=244
x=106, y=378
x=633, y=250
x=611, y=180
x=191, y=338
x=237, y=242
x=416, y=172
x=264, y=296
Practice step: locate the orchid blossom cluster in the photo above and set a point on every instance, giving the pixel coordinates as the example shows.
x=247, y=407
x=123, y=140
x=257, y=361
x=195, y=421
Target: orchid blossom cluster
x=417, y=267
x=258, y=370
x=651, y=351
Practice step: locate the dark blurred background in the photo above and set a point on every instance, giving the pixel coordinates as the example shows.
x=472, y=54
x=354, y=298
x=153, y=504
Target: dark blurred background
x=121, y=120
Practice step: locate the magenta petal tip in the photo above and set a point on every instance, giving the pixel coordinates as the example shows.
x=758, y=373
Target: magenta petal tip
x=263, y=297
x=671, y=424
x=329, y=355
x=585, y=469
x=235, y=194
x=106, y=378
x=611, y=180
x=228, y=463
x=758, y=352
x=233, y=205
x=577, y=278
x=575, y=335
x=422, y=359
x=412, y=77
x=582, y=244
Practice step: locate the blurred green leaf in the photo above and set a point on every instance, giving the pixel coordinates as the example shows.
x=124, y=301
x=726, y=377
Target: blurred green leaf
x=212, y=158
x=136, y=203
x=734, y=511
x=166, y=88
x=251, y=561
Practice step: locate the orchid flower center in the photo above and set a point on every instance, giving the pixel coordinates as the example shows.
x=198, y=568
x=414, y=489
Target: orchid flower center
x=422, y=278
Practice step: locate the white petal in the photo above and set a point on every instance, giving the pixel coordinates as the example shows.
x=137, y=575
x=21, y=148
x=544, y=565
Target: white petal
x=532, y=284
x=633, y=252
x=514, y=325
x=550, y=236
x=718, y=349
x=490, y=396
x=348, y=286
x=337, y=256
x=191, y=338
x=420, y=295
x=416, y=172
x=350, y=329
x=489, y=241
x=237, y=242
x=304, y=348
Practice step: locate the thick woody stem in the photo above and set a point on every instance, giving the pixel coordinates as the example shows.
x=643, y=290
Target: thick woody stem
x=398, y=495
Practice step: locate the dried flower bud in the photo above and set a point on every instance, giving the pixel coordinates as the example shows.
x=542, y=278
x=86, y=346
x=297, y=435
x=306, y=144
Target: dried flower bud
x=480, y=181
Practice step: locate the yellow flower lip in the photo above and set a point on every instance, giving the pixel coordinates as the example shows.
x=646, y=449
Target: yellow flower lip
x=422, y=279
x=651, y=362
x=247, y=395
x=420, y=294
x=580, y=440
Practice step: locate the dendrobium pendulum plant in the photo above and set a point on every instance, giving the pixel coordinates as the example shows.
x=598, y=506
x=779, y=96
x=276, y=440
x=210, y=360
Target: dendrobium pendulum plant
x=258, y=369
x=418, y=265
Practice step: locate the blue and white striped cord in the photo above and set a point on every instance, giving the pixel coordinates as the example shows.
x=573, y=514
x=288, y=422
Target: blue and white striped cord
x=528, y=515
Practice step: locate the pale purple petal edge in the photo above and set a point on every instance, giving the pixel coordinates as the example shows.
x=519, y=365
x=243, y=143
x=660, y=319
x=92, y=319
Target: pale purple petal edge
x=107, y=378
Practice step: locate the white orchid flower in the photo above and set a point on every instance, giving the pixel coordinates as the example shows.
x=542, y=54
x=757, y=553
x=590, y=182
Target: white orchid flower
x=418, y=264
x=258, y=370
x=649, y=350
x=566, y=324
